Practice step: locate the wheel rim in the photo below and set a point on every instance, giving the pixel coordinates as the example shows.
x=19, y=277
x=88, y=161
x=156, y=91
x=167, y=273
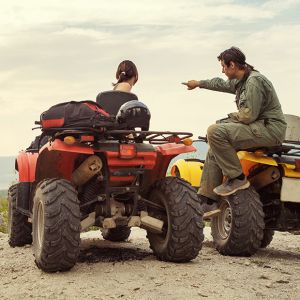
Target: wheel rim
x=40, y=224
x=224, y=221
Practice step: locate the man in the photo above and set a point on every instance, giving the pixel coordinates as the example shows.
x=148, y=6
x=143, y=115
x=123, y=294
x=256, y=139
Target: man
x=258, y=122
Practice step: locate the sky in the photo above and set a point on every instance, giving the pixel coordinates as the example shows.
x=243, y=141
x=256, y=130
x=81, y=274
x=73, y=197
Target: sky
x=56, y=51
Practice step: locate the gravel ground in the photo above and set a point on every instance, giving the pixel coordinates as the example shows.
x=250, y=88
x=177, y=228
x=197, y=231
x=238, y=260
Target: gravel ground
x=129, y=270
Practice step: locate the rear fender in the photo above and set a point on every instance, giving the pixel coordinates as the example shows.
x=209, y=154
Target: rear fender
x=26, y=165
x=190, y=171
x=250, y=159
x=165, y=153
x=172, y=149
x=57, y=159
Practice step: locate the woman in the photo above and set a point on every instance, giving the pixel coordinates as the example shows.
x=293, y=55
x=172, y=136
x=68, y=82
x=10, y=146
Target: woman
x=127, y=76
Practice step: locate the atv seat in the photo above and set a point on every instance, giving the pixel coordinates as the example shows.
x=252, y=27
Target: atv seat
x=267, y=150
x=291, y=142
x=111, y=101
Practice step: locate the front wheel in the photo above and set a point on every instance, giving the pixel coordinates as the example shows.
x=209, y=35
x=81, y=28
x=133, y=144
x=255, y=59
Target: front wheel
x=56, y=225
x=238, y=229
x=182, y=236
x=19, y=229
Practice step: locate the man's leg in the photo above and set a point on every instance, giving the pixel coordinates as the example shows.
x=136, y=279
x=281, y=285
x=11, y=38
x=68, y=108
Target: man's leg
x=211, y=177
x=224, y=140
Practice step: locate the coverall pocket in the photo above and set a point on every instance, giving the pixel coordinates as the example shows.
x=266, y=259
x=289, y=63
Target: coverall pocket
x=256, y=128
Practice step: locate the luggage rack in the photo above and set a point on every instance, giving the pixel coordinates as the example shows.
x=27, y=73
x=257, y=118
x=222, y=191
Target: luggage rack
x=152, y=137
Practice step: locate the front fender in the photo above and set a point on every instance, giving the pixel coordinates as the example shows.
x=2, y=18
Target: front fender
x=189, y=170
x=26, y=166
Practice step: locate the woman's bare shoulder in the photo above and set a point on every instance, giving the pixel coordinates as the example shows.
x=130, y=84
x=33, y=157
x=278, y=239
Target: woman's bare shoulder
x=123, y=86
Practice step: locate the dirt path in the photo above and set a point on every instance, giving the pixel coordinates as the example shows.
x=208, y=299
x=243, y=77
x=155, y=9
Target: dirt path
x=130, y=271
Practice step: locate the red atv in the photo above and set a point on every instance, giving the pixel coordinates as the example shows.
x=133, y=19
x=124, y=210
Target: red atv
x=113, y=179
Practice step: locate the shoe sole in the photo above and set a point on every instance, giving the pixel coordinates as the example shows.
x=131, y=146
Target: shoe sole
x=242, y=187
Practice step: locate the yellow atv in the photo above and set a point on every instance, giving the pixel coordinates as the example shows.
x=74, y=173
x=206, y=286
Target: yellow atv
x=246, y=220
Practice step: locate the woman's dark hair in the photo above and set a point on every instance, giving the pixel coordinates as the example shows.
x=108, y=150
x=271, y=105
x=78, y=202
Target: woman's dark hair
x=235, y=55
x=126, y=70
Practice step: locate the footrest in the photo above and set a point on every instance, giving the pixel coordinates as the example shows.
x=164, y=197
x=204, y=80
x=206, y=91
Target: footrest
x=208, y=215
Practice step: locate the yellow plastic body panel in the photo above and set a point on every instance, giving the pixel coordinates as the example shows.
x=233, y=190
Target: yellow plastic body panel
x=190, y=171
x=290, y=172
x=249, y=159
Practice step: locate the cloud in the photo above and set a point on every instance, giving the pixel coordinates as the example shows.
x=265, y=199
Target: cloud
x=54, y=51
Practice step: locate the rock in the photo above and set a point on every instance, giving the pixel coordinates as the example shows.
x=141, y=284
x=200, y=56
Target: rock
x=282, y=281
x=202, y=295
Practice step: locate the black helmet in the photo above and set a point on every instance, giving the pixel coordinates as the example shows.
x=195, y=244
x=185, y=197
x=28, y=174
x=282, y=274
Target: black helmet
x=134, y=114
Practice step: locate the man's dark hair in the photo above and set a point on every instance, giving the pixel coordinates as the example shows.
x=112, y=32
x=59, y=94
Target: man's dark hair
x=235, y=55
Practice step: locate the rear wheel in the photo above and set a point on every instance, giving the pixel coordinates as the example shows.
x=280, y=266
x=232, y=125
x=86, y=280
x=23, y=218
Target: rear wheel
x=238, y=230
x=267, y=238
x=19, y=229
x=56, y=225
x=182, y=236
x=118, y=234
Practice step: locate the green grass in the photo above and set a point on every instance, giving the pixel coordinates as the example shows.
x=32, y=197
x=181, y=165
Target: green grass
x=3, y=214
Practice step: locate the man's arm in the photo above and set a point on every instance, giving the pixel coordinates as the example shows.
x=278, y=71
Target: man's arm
x=215, y=84
x=219, y=85
x=250, y=103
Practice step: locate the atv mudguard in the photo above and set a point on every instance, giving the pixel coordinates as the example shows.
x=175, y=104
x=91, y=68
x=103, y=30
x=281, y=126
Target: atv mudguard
x=56, y=159
x=250, y=159
x=25, y=164
x=189, y=170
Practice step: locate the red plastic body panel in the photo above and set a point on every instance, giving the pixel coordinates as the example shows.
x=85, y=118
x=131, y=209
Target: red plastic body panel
x=174, y=149
x=26, y=164
x=114, y=162
x=58, y=145
x=146, y=159
x=57, y=159
x=165, y=153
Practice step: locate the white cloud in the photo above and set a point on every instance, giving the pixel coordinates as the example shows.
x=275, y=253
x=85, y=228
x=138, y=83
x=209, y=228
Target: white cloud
x=55, y=51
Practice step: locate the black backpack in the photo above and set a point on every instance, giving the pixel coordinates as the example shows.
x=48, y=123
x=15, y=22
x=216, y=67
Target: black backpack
x=76, y=115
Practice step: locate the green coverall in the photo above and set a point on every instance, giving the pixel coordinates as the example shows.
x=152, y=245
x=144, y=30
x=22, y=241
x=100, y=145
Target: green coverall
x=258, y=122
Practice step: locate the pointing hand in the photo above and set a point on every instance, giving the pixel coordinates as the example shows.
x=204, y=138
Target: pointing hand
x=191, y=84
